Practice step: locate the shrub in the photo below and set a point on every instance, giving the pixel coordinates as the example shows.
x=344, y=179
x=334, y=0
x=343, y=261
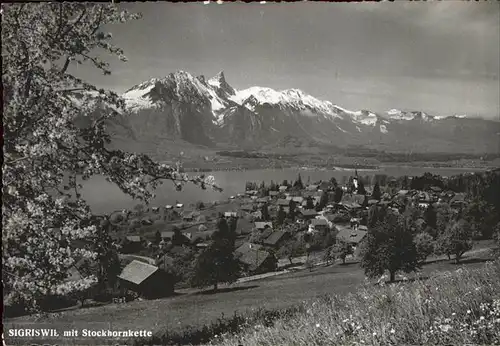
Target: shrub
x=425, y=246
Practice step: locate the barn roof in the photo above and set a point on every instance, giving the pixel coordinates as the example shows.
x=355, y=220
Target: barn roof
x=136, y=272
x=274, y=238
x=254, y=258
x=134, y=238
x=245, y=247
x=283, y=202
x=351, y=236
x=308, y=212
x=262, y=225
x=319, y=222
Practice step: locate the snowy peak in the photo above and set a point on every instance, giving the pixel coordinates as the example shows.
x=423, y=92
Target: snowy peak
x=285, y=99
x=397, y=114
x=218, y=82
x=180, y=86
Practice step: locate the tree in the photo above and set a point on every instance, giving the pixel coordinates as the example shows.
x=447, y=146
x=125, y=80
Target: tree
x=323, y=202
x=333, y=182
x=157, y=237
x=329, y=256
x=430, y=216
x=178, y=238
x=361, y=188
x=389, y=246
x=424, y=244
x=265, y=212
x=298, y=183
x=272, y=186
x=455, y=240
x=292, y=209
x=232, y=224
x=309, y=203
x=216, y=264
x=376, y=194
x=341, y=250
x=338, y=194
x=55, y=137
x=291, y=249
x=281, y=216
x=225, y=231
x=367, y=180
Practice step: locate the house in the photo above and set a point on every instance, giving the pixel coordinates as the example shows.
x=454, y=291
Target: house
x=134, y=238
x=146, y=279
x=276, y=238
x=167, y=235
x=298, y=199
x=146, y=222
x=263, y=225
x=458, y=200
x=319, y=224
x=251, y=192
x=202, y=237
x=179, y=205
x=230, y=214
x=350, y=236
x=306, y=194
x=283, y=188
x=155, y=210
x=352, y=206
x=436, y=189
x=257, y=214
x=307, y=214
x=189, y=235
x=316, y=200
x=312, y=188
x=258, y=261
x=246, y=246
x=247, y=207
x=273, y=193
x=262, y=200
x=168, y=207
x=189, y=216
x=423, y=205
x=283, y=202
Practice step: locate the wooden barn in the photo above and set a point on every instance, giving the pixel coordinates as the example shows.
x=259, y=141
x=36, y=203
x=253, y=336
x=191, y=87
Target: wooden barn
x=147, y=280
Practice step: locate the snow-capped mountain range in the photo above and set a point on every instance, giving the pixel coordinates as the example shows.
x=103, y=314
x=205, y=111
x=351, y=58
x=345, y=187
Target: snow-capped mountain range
x=211, y=111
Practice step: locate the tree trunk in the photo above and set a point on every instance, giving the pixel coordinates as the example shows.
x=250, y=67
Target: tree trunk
x=343, y=260
x=457, y=258
x=290, y=259
x=216, y=285
x=392, y=276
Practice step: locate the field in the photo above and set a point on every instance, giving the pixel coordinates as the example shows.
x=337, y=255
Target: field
x=196, y=309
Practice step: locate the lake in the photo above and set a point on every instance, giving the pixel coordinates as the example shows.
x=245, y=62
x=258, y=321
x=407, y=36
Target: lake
x=105, y=197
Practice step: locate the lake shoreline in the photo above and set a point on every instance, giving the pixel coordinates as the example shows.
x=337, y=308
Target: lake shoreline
x=233, y=182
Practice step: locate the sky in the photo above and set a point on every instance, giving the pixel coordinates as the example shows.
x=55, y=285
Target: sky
x=442, y=58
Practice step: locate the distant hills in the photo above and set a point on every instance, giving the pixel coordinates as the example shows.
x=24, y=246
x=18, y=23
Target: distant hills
x=211, y=113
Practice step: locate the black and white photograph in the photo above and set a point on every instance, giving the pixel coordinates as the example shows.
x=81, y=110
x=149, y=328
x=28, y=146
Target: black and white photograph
x=233, y=173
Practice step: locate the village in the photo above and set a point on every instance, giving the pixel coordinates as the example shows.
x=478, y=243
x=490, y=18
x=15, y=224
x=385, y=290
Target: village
x=291, y=225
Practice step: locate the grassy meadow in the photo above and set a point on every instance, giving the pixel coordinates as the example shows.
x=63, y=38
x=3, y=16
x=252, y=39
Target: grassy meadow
x=451, y=308
x=189, y=317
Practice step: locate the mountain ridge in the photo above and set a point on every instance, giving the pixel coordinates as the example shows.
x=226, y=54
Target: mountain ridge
x=211, y=112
